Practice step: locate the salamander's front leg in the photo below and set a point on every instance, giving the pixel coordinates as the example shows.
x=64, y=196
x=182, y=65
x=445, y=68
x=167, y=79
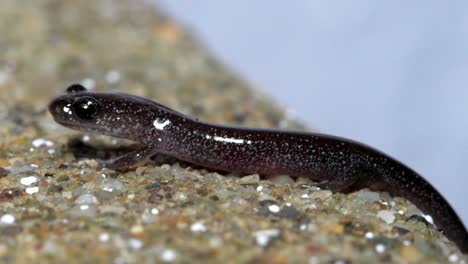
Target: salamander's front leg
x=129, y=160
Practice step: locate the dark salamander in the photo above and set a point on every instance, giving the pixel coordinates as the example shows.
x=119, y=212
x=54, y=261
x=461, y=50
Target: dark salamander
x=339, y=164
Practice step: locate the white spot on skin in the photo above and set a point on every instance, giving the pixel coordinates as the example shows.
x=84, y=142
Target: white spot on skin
x=428, y=218
x=67, y=109
x=160, y=125
x=229, y=140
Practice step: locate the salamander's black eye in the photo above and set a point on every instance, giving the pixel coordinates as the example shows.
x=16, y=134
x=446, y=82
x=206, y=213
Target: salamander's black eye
x=86, y=108
x=75, y=88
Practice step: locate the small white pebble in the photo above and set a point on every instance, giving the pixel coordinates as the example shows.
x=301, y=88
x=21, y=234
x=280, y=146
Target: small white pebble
x=32, y=190
x=383, y=202
x=168, y=255
x=86, y=198
x=135, y=243
x=305, y=196
x=274, y=208
x=379, y=248
x=263, y=237
x=154, y=211
x=303, y=227
x=406, y=242
x=369, y=235
x=104, y=237
x=259, y=188
x=7, y=219
x=198, y=227
x=28, y=180
x=86, y=138
x=111, y=185
x=39, y=142
x=386, y=215
x=453, y=258
x=180, y=196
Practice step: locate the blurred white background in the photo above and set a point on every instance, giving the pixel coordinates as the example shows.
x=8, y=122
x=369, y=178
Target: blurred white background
x=391, y=74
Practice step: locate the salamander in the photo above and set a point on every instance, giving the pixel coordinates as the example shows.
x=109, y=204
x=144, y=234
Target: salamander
x=336, y=163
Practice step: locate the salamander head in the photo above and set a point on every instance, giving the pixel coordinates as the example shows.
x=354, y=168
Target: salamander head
x=112, y=114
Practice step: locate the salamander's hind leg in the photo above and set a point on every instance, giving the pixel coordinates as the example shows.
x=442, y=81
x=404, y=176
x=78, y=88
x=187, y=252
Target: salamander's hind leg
x=338, y=184
x=356, y=177
x=130, y=159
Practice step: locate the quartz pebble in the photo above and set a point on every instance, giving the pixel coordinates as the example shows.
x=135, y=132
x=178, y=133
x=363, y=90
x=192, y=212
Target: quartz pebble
x=198, y=227
x=264, y=237
x=39, y=142
x=113, y=185
x=86, y=198
x=32, y=190
x=387, y=216
x=168, y=255
x=282, y=179
x=83, y=210
x=7, y=219
x=28, y=180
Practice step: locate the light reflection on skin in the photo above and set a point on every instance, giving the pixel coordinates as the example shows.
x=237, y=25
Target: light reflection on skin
x=229, y=140
x=161, y=125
